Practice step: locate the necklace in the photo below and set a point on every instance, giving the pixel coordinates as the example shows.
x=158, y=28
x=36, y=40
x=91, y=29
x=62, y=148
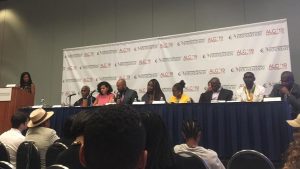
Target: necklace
x=249, y=93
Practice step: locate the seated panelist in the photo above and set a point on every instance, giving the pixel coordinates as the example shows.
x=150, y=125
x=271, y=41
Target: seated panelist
x=251, y=92
x=217, y=92
x=154, y=92
x=105, y=94
x=178, y=95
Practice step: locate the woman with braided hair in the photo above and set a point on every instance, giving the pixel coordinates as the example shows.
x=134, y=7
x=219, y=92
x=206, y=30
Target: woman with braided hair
x=191, y=133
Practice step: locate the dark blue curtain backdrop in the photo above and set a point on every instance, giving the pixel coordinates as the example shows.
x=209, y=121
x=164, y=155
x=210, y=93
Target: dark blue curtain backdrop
x=226, y=127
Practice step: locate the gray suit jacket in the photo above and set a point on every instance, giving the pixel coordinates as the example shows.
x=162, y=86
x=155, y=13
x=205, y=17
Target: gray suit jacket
x=129, y=96
x=43, y=137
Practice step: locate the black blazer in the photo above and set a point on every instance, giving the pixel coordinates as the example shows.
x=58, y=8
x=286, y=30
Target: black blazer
x=223, y=95
x=129, y=96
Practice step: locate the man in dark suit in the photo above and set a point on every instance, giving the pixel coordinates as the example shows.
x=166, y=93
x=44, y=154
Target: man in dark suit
x=86, y=97
x=125, y=95
x=217, y=92
x=288, y=90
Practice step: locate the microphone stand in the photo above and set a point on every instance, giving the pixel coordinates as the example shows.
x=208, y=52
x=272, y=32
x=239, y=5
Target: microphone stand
x=70, y=99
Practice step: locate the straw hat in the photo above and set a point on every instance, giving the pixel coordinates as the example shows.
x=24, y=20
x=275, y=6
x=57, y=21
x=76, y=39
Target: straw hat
x=295, y=122
x=38, y=116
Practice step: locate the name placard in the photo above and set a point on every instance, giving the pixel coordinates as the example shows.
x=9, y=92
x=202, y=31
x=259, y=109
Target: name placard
x=5, y=94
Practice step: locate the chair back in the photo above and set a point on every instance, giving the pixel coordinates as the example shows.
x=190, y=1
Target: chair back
x=28, y=156
x=4, y=155
x=6, y=165
x=57, y=166
x=249, y=159
x=53, y=151
x=188, y=160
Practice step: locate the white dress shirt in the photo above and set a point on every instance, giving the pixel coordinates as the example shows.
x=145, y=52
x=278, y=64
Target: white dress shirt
x=12, y=139
x=258, y=94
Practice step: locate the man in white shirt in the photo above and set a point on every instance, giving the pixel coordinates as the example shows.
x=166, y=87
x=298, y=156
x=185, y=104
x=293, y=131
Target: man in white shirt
x=13, y=137
x=251, y=92
x=191, y=133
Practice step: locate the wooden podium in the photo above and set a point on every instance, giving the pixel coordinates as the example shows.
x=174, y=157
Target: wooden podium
x=19, y=98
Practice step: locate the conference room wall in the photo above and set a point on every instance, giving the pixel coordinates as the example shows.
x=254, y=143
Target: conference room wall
x=33, y=33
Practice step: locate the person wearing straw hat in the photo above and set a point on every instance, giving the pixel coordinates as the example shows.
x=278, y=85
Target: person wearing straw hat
x=40, y=133
x=296, y=127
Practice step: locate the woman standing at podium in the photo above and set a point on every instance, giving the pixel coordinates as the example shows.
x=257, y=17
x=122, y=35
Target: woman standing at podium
x=26, y=83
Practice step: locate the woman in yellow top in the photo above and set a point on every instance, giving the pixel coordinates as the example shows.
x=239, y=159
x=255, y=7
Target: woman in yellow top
x=178, y=95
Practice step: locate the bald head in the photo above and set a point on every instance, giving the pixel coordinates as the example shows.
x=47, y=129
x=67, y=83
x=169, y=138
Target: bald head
x=85, y=91
x=121, y=85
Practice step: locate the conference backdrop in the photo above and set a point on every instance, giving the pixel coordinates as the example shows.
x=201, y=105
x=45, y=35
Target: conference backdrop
x=196, y=57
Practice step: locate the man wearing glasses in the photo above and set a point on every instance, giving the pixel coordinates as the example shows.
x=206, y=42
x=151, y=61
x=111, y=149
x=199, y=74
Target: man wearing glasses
x=289, y=91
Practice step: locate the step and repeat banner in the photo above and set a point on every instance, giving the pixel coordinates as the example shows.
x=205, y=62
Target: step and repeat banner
x=196, y=57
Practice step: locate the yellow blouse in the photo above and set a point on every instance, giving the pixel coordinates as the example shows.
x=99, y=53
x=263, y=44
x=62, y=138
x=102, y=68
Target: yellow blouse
x=184, y=99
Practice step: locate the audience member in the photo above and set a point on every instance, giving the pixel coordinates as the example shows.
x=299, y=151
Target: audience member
x=67, y=138
x=251, y=92
x=114, y=139
x=26, y=83
x=70, y=157
x=160, y=153
x=105, y=94
x=191, y=133
x=154, y=92
x=13, y=137
x=288, y=90
x=296, y=127
x=86, y=99
x=178, y=95
x=125, y=95
x=292, y=160
x=217, y=92
x=40, y=133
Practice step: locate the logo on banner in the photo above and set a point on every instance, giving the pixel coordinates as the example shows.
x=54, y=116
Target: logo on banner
x=248, y=68
x=88, y=80
x=126, y=77
x=88, y=54
x=275, y=49
x=144, y=61
x=190, y=57
x=147, y=47
x=146, y=76
x=166, y=89
x=75, y=55
x=166, y=45
x=89, y=67
x=170, y=59
x=72, y=80
x=192, y=73
x=190, y=42
x=142, y=90
x=269, y=84
x=274, y=31
x=215, y=39
x=69, y=68
x=279, y=66
x=244, y=52
x=105, y=65
x=245, y=35
x=128, y=63
x=229, y=87
x=124, y=50
x=216, y=71
x=192, y=88
x=107, y=52
x=107, y=78
x=166, y=74
x=218, y=55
